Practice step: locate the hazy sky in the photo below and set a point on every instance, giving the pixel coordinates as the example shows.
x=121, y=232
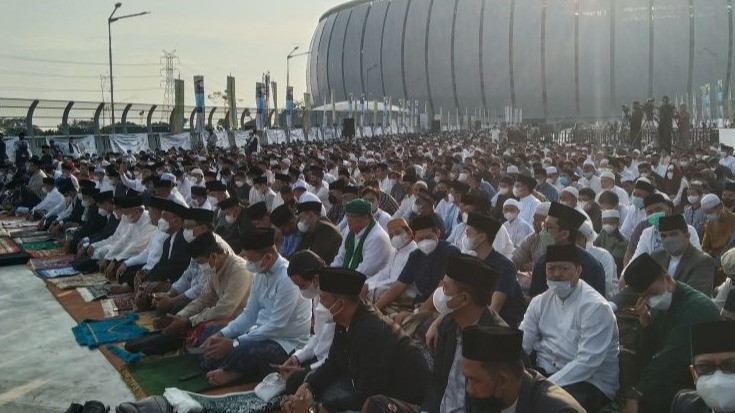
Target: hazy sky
x=213, y=38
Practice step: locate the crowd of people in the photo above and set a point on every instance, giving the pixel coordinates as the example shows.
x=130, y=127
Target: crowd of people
x=419, y=273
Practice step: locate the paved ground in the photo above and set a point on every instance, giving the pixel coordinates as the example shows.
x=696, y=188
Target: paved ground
x=42, y=369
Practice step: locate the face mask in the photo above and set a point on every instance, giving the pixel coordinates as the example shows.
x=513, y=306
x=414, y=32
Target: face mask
x=670, y=175
x=427, y=246
x=189, y=235
x=638, y=202
x=562, y=289
x=716, y=390
x=205, y=267
x=609, y=228
x=332, y=315
x=673, y=246
x=661, y=301
x=303, y=226
x=45, y=191
x=212, y=200
x=589, y=175
x=654, y=218
x=393, y=181
x=399, y=241
x=230, y=219
x=564, y=180
x=693, y=199
x=103, y=212
x=239, y=184
x=516, y=192
x=546, y=238
x=441, y=301
x=510, y=216
x=450, y=198
x=310, y=292
x=462, y=177
x=125, y=218
x=469, y=243
x=503, y=191
x=255, y=267
x=163, y=225
x=465, y=216
x=584, y=204
x=85, y=204
x=415, y=208
x=712, y=217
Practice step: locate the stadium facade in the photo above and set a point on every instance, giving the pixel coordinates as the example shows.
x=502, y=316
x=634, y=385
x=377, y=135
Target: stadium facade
x=556, y=59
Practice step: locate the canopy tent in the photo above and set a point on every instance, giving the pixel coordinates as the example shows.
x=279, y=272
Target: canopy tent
x=344, y=107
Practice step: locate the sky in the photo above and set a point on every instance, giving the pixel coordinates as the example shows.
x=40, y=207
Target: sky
x=242, y=38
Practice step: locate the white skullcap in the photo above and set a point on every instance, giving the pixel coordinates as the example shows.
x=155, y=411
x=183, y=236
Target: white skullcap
x=627, y=177
x=512, y=202
x=589, y=162
x=710, y=201
x=422, y=184
x=611, y=213
x=168, y=177
x=542, y=209
x=728, y=262
x=588, y=232
x=309, y=197
x=512, y=169
x=301, y=184
x=286, y=161
x=551, y=170
x=197, y=171
x=572, y=190
x=608, y=174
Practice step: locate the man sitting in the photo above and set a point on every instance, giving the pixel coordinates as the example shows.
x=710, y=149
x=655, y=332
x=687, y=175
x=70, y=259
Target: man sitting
x=369, y=354
x=712, y=368
x=667, y=309
x=366, y=246
x=288, y=236
x=320, y=235
x=238, y=221
x=497, y=381
x=401, y=238
x=571, y=332
x=275, y=322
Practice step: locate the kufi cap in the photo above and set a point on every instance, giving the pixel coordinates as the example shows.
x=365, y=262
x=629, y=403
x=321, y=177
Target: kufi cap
x=257, y=238
x=423, y=222
x=397, y=223
x=710, y=201
x=257, y=211
x=199, y=191
x=512, y=202
x=471, y=271
x=300, y=184
x=627, y=177
x=673, y=223
x=562, y=253
x=608, y=174
x=216, y=186
x=512, y=169
x=129, y=201
x=542, y=209
x=569, y=218
x=484, y=224
x=202, y=245
x=281, y=215
x=728, y=262
x=305, y=263
x=492, y=344
x=228, y=203
x=199, y=215
x=341, y=281
x=713, y=337
x=309, y=206
x=642, y=272
x=550, y=170
x=169, y=177
x=358, y=206
x=196, y=171
x=571, y=190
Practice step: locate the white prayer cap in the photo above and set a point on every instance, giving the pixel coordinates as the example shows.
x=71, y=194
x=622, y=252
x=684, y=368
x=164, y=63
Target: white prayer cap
x=608, y=174
x=728, y=262
x=588, y=232
x=627, y=177
x=352, y=157
x=286, y=161
x=512, y=169
x=551, y=170
x=168, y=177
x=512, y=202
x=610, y=213
x=422, y=184
x=99, y=170
x=105, y=163
x=588, y=162
x=362, y=159
x=309, y=197
x=301, y=184
x=572, y=190
x=644, y=179
x=542, y=209
x=710, y=201
x=197, y=171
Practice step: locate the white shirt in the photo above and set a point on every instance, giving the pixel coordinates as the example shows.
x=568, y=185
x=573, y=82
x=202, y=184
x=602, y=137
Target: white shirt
x=620, y=192
x=177, y=197
x=502, y=242
x=50, y=202
x=632, y=218
x=592, y=183
x=386, y=185
x=528, y=208
x=390, y=272
x=134, y=184
x=322, y=192
x=151, y=254
x=611, y=270
x=382, y=218
x=673, y=263
x=650, y=241
x=723, y=292
x=729, y=162
x=404, y=210
x=518, y=230
x=321, y=341
x=185, y=188
x=375, y=251
x=135, y=241
x=575, y=340
x=448, y=212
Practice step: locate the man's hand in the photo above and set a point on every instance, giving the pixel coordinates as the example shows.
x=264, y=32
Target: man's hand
x=177, y=327
x=641, y=308
x=90, y=251
x=631, y=406
x=120, y=271
x=163, y=302
x=162, y=322
x=218, y=348
x=432, y=334
x=289, y=367
x=400, y=317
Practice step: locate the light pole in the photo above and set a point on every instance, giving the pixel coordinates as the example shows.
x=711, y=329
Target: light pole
x=288, y=59
x=111, y=20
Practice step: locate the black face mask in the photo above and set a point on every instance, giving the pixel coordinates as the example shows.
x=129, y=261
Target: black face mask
x=440, y=194
x=332, y=199
x=485, y=404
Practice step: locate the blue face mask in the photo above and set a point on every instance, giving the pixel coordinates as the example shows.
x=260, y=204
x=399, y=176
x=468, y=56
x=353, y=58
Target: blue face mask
x=712, y=217
x=564, y=180
x=638, y=202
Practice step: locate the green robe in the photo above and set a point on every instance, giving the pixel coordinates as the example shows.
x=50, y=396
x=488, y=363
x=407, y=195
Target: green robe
x=664, y=348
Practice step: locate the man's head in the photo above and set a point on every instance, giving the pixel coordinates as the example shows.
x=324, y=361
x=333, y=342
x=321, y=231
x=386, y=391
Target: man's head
x=303, y=269
x=674, y=234
x=561, y=224
x=258, y=215
x=466, y=287
x=205, y=250
x=196, y=222
x=492, y=366
x=511, y=208
x=539, y=215
x=610, y=220
x=425, y=233
x=371, y=195
x=359, y=214
x=523, y=186
x=283, y=219
x=131, y=207
x=642, y=189
x=651, y=281
x=563, y=269
x=424, y=203
x=309, y=215
x=48, y=184
x=340, y=292
x=336, y=189
x=728, y=195
x=712, y=206
x=569, y=196
x=713, y=363
x=480, y=231
x=400, y=233
x=258, y=248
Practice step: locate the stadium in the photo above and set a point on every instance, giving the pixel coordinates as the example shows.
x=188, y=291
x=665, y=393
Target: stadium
x=555, y=59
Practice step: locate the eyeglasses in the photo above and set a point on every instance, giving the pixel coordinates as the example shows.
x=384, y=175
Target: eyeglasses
x=707, y=368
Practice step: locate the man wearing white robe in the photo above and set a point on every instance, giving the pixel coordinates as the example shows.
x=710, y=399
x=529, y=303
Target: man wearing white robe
x=517, y=228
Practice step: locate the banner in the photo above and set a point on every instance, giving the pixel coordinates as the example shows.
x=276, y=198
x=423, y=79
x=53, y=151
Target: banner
x=242, y=138
x=177, y=120
x=176, y=141
x=267, y=96
x=275, y=136
x=132, y=142
x=231, y=104
x=297, y=135
x=85, y=144
x=199, y=98
x=349, y=106
x=260, y=105
x=223, y=140
x=289, y=107
x=307, y=111
x=362, y=112
x=275, y=105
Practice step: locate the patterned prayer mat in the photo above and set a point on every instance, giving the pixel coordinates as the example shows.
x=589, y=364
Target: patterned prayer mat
x=7, y=246
x=82, y=280
x=53, y=252
x=241, y=402
x=57, y=272
x=150, y=377
x=51, y=262
x=94, y=292
x=93, y=333
x=124, y=302
x=36, y=246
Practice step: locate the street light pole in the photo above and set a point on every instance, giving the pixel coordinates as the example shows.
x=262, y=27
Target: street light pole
x=111, y=20
x=288, y=71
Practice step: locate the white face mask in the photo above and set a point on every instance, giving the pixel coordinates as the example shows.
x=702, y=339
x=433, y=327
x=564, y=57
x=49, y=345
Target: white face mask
x=415, y=208
x=322, y=315
x=212, y=200
x=562, y=289
x=693, y=199
x=399, y=241
x=503, y=191
x=103, y=212
x=516, y=192
x=510, y=216
x=230, y=219
x=670, y=175
x=255, y=267
x=163, y=225
x=239, y=184
x=303, y=226
x=716, y=390
x=462, y=177
x=85, y=203
x=660, y=301
x=450, y=198
x=125, y=218
x=427, y=246
x=310, y=292
x=469, y=243
x=464, y=217
x=441, y=301
x=189, y=235
x=609, y=228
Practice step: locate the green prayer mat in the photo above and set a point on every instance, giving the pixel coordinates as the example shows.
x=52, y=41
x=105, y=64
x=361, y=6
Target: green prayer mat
x=35, y=246
x=151, y=377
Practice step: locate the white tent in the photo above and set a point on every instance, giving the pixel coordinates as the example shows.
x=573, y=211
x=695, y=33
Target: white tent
x=344, y=107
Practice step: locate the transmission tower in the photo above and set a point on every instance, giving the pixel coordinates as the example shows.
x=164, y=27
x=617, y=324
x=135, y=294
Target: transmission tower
x=169, y=72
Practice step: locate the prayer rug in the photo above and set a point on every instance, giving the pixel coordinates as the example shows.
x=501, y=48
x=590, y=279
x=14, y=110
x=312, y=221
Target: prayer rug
x=57, y=272
x=150, y=377
x=124, y=355
x=241, y=402
x=53, y=252
x=124, y=302
x=51, y=262
x=108, y=308
x=93, y=333
x=11, y=253
x=33, y=239
x=36, y=246
x=81, y=280
x=94, y=292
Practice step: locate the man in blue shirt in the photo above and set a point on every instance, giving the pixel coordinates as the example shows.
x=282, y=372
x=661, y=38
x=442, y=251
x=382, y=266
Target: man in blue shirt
x=425, y=267
x=275, y=322
x=284, y=219
x=560, y=228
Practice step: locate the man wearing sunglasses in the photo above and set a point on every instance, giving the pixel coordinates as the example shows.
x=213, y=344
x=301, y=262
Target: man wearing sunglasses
x=713, y=370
